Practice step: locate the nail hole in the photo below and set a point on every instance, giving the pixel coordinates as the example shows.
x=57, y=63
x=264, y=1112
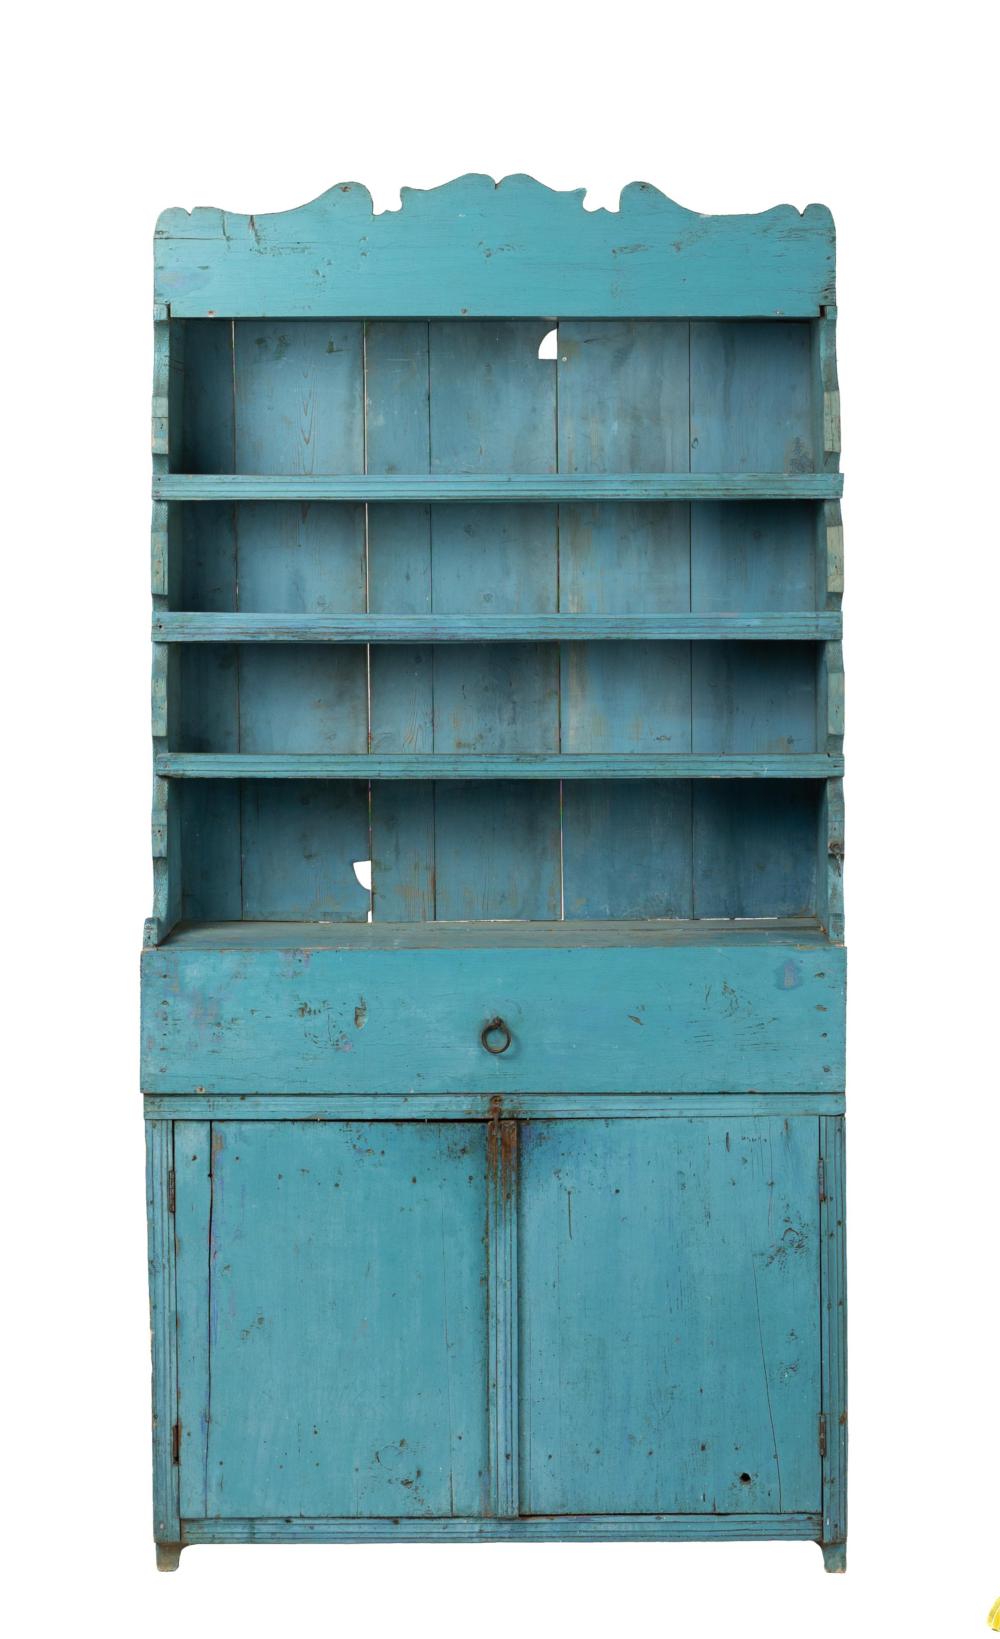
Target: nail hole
x=548, y=347
x=744, y=1479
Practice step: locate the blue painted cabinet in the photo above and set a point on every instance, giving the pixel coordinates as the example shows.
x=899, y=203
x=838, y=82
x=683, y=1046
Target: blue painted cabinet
x=493, y=996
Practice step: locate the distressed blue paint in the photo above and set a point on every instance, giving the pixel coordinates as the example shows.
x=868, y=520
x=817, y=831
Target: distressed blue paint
x=302, y=628
x=501, y=488
x=347, y=1267
x=513, y=248
x=554, y=643
x=671, y=1020
x=586, y=1528
x=670, y=1315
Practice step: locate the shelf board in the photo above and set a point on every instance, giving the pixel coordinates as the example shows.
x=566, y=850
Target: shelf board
x=510, y=766
x=296, y=628
x=503, y=487
x=495, y=935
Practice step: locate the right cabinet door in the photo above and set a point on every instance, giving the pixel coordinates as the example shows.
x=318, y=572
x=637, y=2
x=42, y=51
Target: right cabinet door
x=669, y=1302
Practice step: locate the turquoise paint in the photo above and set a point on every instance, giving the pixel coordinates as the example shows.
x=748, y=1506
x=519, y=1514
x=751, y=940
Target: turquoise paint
x=626, y=1020
x=342, y=1255
x=459, y=488
x=554, y=643
x=511, y=248
x=654, y=1257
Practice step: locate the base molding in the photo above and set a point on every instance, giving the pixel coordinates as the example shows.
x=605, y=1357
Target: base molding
x=535, y=1528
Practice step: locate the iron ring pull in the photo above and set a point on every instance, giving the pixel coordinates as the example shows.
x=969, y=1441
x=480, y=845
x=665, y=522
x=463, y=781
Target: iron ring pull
x=496, y=1027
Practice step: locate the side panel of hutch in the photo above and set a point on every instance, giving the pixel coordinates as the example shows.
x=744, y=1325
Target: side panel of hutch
x=493, y=997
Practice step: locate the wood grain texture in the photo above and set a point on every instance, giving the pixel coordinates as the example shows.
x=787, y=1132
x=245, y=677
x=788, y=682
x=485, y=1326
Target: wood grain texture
x=495, y=766
x=196, y=627
x=503, y=488
x=670, y=1316
x=583, y=1528
x=347, y=1266
x=512, y=248
x=640, y=1020
x=834, y=1330
x=502, y=1141
x=163, y=1324
x=192, y=1228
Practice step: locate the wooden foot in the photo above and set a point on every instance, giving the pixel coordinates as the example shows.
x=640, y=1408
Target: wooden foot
x=834, y=1556
x=168, y=1556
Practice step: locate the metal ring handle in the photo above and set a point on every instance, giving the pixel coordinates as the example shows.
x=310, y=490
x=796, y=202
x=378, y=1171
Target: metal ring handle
x=496, y=1027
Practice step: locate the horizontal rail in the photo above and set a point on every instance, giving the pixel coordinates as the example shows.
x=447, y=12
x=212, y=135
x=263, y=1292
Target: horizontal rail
x=484, y=1106
x=524, y=1528
x=265, y=628
x=511, y=766
x=445, y=486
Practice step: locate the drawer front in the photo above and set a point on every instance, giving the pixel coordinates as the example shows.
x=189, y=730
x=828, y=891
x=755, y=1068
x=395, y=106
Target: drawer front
x=714, y=1019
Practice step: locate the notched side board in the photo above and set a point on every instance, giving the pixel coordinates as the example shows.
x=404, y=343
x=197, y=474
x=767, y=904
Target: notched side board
x=763, y=1018
x=512, y=249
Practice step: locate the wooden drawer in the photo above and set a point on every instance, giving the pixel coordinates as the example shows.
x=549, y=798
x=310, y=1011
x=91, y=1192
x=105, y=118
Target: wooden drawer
x=722, y=1018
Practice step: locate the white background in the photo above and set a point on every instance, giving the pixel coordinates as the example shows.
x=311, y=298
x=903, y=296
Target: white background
x=879, y=111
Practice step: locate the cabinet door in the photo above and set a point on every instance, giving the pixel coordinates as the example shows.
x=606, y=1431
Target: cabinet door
x=339, y=1368
x=669, y=1316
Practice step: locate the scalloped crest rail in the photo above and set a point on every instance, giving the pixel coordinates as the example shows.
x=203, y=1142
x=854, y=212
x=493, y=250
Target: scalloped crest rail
x=493, y=996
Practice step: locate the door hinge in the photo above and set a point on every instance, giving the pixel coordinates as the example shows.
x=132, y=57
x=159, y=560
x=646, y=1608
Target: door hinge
x=822, y=1179
x=822, y=1433
x=171, y=1191
x=175, y=1443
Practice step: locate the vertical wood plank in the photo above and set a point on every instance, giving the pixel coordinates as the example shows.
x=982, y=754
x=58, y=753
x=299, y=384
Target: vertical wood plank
x=207, y=439
x=752, y=410
x=834, y=1328
x=623, y=406
x=168, y=381
x=301, y=839
x=751, y=397
x=211, y=847
x=349, y=1319
x=163, y=1327
x=632, y=858
x=753, y=697
x=299, y=397
x=755, y=848
x=300, y=408
x=752, y=556
x=302, y=697
x=497, y=850
x=192, y=1222
x=830, y=866
x=303, y=557
x=400, y=581
x=209, y=684
x=493, y=409
x=670, y=1326
x=502, y=1214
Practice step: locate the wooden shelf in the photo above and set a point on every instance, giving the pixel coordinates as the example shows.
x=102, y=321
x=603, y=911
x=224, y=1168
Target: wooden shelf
x=265, y=628
x=503, y=487
x=794, y=931
x=512, y=766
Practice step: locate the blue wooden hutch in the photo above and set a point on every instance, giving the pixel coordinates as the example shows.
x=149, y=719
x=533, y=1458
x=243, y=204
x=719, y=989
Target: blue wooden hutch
x=493, y=997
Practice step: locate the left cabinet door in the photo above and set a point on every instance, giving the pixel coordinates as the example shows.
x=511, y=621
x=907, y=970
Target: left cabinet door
x=332, y=1318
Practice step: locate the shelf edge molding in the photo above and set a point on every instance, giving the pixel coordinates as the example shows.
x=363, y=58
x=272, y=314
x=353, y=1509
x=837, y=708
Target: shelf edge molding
x=512, y=766
x=198, y=627
x=499, y=487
